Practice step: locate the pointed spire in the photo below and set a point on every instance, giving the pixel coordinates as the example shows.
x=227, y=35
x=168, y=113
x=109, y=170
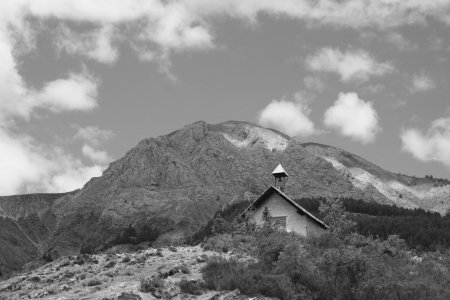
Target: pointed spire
x=280, y=176
x=279, y=171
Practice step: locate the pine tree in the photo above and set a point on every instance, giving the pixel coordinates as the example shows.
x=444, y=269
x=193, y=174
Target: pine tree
x=336, y=217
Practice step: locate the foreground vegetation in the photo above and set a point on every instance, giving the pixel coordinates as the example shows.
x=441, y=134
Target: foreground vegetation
x=340, y=264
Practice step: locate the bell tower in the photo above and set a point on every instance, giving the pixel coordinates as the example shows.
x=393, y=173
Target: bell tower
x=280, y=177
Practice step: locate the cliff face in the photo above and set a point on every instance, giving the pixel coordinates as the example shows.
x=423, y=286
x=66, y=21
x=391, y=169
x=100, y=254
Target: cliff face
x=175, y=183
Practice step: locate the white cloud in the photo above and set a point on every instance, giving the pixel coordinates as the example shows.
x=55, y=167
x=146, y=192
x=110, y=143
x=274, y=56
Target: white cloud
x=160, y=27
x=288, y=117
x=77, y=92
x=163, y=26
x=400, y=42
x=96, y=156
x=28, y=166
x=353, y=117
x=351, y=13
x=314, y=83
x=421, y=83
x=98, y=45
x=93, y=135
x=433, y=145
x=350, y=66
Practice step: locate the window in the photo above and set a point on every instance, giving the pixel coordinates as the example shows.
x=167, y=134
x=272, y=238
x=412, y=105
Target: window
x=279, y=221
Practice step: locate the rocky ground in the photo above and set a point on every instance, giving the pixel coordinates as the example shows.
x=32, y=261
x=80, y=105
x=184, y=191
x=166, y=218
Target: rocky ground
x=117, y=275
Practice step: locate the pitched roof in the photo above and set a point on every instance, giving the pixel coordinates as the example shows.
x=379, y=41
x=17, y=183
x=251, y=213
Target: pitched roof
x=300, y=209
x=279, y=170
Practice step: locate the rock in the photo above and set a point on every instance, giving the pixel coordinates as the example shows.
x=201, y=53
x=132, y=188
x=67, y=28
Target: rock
x=64, y=262
x=201, y=259
x=170, y=291
x=129, y=296
x=233, y=295
x=110, y=264
x=157, y=293
x=78, y=261
x=35, y=279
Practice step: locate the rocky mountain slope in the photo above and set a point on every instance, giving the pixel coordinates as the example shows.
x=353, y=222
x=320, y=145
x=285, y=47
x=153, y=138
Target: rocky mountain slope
x=401, y=190
x=26, y=223
x=118, y=276
x=170, y=186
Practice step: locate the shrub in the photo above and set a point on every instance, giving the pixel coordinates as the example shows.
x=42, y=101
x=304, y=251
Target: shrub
x=151, y=285
x=184, y=269
x=190, y=287
x=219, y=243
x=270, y=242
x=251, y=279
x=173, y=249
x=128, y=296
x=93, y=282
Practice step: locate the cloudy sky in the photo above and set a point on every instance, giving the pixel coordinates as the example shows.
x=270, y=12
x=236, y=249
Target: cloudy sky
x=82, y=81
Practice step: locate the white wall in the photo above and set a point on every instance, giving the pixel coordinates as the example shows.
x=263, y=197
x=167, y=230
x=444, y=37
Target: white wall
x=279, y=207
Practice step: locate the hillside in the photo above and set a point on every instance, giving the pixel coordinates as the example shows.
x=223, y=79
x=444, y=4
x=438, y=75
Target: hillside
x=26, y=223
x=401, y=190
x=116, y=276
x=170, y=186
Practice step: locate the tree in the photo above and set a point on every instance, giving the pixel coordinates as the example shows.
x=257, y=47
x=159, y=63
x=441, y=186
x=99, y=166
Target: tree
x=336, y=217
x=266, y=214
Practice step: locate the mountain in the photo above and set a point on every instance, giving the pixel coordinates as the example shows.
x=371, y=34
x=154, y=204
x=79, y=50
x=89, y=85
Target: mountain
x=170, y=186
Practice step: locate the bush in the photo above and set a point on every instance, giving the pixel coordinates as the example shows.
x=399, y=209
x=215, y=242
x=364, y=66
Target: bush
x=184, y=269
x=93, y=282
x=270, y=242
x=128, y=296
x=151, y=285
x=190, y=287
x=251, y=279
x=226, y=242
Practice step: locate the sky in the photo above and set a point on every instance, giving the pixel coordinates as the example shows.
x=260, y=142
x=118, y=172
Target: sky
x=83, y=81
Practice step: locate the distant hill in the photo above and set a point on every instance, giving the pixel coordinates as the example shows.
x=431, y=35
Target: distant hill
x=173, y=184
x=26, y=224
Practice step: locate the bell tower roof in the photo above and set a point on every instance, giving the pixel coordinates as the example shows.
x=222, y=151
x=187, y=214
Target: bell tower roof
x=279, y=172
